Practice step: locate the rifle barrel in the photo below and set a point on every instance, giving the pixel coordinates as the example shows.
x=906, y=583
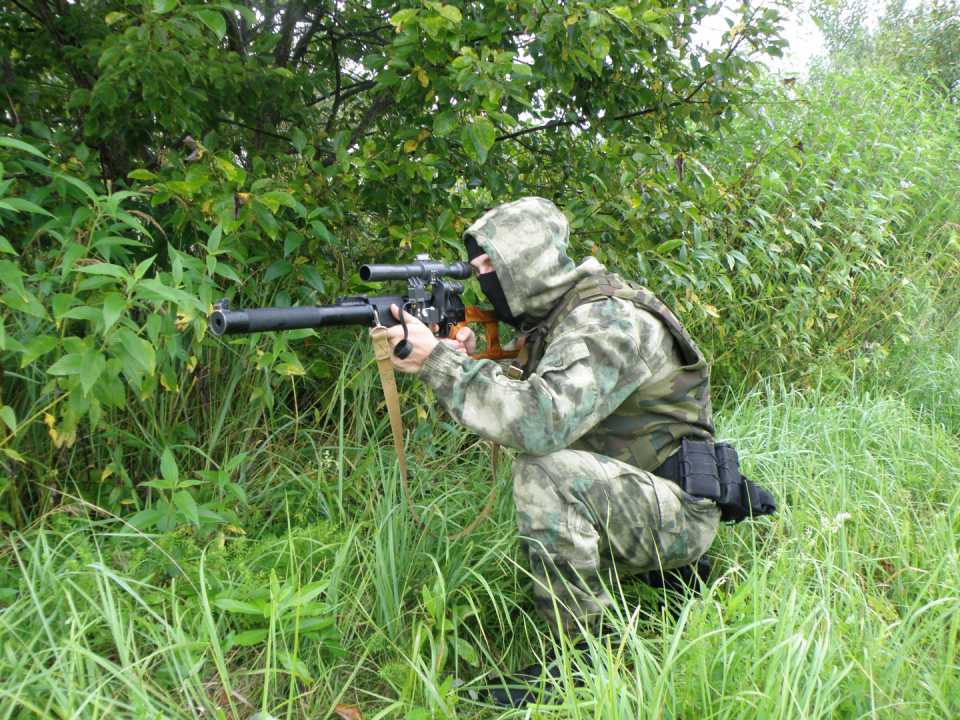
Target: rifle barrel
x=273, y=319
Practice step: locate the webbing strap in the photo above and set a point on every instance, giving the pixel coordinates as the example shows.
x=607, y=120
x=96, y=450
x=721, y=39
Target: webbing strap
x=388, y=380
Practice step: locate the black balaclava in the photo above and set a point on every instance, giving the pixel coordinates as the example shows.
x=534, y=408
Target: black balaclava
x=490, y=286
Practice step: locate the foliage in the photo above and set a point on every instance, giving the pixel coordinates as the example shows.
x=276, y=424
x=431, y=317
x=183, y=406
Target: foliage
x=844, y=605
x=196, y=526
x=375, y=111
x=911, y=38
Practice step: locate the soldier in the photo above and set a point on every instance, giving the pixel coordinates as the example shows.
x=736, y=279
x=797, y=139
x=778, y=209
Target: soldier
x=611, y=387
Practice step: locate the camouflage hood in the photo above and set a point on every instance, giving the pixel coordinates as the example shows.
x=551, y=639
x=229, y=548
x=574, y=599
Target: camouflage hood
x=527, y=244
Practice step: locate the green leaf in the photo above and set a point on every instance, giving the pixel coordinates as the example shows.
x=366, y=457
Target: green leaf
x=10, y=274
x=113, y=307
x=9, y=417
x=403, y=16
x=143, y=267
x=238, y=606
x=313, y=278
x=621, y=13
x=299, y=140
x=144, y=518
x=141, y=174
x=471, y=145
x=187, y=505
x=466, y=652
x=485, y=132
x=168, y=467
x=91, y=366
x=445, y=123
x=279, y=268
x=84, y=312
x=238, y=491
x=282, y=198
x=13, y=455
x=39, y=345
x=251, y=637
x=103, y=269
x=140, y=351
x=291, y=243
x=21, y=205
x=651, y=16
x=213, y=242
x=114, y=17
x=67, y=365
x=20, y=145
x=213, y=19
x=451, y=13
x=665, y=247
x=24, y=302
x=154, y=288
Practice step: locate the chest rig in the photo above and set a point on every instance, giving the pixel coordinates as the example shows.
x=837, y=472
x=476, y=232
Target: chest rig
x=674, y=404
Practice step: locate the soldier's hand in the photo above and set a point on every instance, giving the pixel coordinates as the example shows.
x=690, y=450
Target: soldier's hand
x=419, y=336
x=465, y=340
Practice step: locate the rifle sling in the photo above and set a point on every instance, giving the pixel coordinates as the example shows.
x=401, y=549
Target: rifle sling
x=389, y=382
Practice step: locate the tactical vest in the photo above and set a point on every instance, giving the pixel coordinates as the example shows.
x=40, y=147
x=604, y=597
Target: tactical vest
x=648, y=426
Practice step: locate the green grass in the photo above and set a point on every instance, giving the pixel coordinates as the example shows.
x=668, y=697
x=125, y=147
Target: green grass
x=846, y=605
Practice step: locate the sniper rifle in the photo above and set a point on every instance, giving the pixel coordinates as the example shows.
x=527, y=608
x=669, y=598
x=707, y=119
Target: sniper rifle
x=433, y=297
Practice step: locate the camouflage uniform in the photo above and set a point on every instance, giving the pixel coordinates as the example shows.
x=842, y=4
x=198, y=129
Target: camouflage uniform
x=612, y=384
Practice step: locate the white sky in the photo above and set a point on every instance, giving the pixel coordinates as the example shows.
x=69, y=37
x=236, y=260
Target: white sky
x=804, y=37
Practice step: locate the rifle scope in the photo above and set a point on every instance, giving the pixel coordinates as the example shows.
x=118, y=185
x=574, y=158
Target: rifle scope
x=426, y=269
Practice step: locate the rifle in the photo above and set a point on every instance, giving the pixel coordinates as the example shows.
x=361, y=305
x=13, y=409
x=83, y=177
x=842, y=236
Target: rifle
x=440, y=305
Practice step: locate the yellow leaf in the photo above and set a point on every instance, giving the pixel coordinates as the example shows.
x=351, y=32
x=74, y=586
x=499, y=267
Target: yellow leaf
x=62, y=439
x=423, y=135
x=410, y=145
x=163, y=381
x=571, y=19
x=184, y=318
x=107, y=472
x=710, y=310
x=128, y=501
x=49, y=420
x=348, y=712
x=235, y=529
x=422, y=76
x=300, y=260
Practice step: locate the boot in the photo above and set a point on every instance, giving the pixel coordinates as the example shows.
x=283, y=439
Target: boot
x=538, y=680
x=679, y=583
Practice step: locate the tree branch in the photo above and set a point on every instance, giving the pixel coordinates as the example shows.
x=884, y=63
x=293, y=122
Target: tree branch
x=28, y=11
x=336, y=97
x=379, y=105
x=256, y=130
x=304, y=42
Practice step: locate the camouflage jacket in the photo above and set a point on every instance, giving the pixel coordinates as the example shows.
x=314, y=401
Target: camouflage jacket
x=604, y=372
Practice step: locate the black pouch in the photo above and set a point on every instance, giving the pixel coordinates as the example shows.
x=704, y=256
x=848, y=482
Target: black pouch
x=728, y=472
x=739, y=498
x=698, y=469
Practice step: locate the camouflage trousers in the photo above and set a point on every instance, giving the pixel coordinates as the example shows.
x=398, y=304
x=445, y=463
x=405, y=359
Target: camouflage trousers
x=586, y=518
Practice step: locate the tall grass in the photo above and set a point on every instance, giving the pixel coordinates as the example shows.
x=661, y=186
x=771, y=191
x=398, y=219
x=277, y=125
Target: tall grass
x=847, y=604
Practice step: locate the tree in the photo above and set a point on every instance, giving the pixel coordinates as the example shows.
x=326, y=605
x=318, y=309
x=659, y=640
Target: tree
x=409, y=117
